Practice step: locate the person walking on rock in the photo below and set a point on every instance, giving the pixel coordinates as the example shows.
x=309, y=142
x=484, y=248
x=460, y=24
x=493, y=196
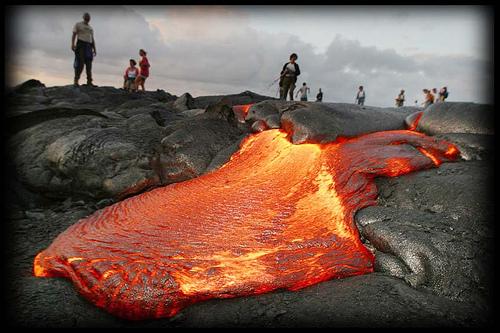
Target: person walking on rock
x=288, y=77
x=85, y=48
x=144, y=66
x=303, y=92
x=400, y=100
x=319, y=96
x=360, y=96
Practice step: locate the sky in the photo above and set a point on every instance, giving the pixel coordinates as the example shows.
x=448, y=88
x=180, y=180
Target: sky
x=217, y=50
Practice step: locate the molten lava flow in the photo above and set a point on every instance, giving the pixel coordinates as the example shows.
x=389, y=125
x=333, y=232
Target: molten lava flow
x=277, y=215
x=415, y=120
x=241, y=111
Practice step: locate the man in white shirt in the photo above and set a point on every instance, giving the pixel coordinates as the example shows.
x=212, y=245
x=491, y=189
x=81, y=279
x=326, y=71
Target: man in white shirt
x=85, y=48
x=360, y=97
x=303, y=92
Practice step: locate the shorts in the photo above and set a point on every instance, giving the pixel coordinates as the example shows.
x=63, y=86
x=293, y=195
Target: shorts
x=130, y=83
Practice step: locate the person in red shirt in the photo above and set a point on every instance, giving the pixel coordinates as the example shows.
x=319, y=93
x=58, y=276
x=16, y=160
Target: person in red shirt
x=130, y=76
x=144, y=66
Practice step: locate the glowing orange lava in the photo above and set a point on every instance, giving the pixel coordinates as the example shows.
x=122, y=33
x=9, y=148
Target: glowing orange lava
x=415, y=120
x=277, y=215
x=241, y=111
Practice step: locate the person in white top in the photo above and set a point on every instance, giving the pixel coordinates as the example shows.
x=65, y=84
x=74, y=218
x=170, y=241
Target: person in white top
x=85, y=48
x=130, y=76
x=435, y=92
x=303, y=92
x=360, y=96
x=288, y=77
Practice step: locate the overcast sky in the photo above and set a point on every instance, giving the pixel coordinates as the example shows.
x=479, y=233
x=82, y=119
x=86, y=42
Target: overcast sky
x=209, y=50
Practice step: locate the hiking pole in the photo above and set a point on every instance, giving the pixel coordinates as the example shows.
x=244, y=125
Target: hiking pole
x=272, y=83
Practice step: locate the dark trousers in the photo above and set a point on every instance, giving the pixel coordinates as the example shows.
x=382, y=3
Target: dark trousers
x=83, y=61
x=288, y=85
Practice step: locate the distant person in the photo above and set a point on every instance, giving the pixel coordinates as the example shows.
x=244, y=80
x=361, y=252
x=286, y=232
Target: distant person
x=303, y=92
x=288, y=77
x=360, y=96
x=435, y=93
x=443, y=94
x=85, y=49
x=130, y=76
x=144, y=73
x=319, y=96
x=428, y=98
x=416, y=102
x=400, y=100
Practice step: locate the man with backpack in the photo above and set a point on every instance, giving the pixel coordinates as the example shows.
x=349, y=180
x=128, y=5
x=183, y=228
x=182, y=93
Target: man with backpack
x=443, y=94
x=400, y=100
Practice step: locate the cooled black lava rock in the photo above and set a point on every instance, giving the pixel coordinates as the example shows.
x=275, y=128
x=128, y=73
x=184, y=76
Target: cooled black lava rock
x=432, y=231
x=457, y=117
x=103, y=142
x=324, y=122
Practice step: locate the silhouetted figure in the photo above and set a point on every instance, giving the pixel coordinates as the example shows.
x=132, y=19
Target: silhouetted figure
x=360, y=96
x=443, y=94
x=400, y=100
x=288, y=77
x=319, y=96
x=85, y=48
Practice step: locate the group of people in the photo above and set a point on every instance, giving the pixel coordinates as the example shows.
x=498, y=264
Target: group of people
x=433, y=96
x=85, y=51
x=288, y=78
x=136, y=77
x=430, y=97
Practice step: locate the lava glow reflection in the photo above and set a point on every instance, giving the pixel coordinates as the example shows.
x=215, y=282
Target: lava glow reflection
x=277, y=215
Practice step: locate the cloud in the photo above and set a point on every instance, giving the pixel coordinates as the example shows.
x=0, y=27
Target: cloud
x=204, y=50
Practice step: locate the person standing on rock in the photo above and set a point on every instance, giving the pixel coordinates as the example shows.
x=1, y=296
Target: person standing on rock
x=288, y=77
x=130, y=76
x=428, y=98
x=435, y=93
x=319, y=96
x=85, y=48
x=144, y=66
x=443, y=94
x=360, y=96
x=303, y=92
x=400, y=100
